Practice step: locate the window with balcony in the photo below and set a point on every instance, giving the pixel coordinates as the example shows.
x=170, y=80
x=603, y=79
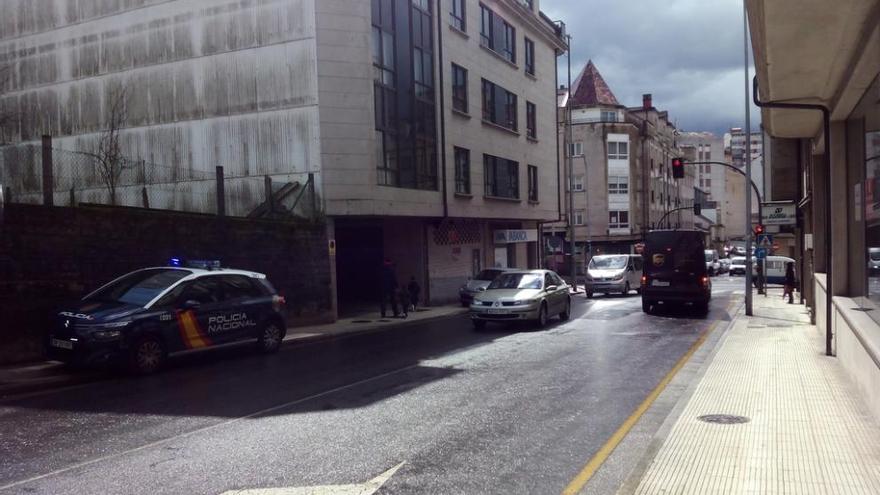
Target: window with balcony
x=608, y=116
x=499, y=105
x=501, y=177
x=576, y=149
x=618, y=185
x=459, y=89
x=497, y=35
x=578, y=182
x=579, y=217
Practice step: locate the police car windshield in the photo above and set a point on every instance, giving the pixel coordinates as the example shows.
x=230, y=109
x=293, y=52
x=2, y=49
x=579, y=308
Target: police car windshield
x=139, y=287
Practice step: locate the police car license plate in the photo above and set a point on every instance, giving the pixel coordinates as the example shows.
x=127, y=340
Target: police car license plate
x=660, y=283
x=497, y=311
x=63, y=344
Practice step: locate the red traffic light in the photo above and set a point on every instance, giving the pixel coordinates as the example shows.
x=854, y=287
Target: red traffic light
x=678, y=168
x=759, y=229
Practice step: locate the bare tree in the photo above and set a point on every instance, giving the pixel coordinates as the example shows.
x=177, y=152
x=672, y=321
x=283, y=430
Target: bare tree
x=108, y=153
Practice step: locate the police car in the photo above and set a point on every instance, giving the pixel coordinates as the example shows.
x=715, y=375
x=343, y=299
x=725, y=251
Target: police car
x=140, y=318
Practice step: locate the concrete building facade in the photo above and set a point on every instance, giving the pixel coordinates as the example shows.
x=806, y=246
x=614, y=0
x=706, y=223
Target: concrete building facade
x=622, y=179
x=428, y=126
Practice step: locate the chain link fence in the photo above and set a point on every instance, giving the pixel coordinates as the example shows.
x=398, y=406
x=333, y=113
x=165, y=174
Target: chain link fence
x=77, y=177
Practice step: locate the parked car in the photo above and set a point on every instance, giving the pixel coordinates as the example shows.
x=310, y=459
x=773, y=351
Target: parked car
x=140, y=318
x=478, y=284
x=712, y=263
x=531, y=295
x=613, y=273
x=874, y=261
x=725, y=265
x=737, y=266
x=675, y=270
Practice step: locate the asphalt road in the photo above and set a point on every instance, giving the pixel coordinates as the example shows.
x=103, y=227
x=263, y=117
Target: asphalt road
x=505, y=410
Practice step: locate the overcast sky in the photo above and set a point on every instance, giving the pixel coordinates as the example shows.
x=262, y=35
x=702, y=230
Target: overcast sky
x=687, y=53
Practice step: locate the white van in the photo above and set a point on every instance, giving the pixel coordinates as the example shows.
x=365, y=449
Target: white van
x=774, y=272
x=614, y=273
x=713, y=266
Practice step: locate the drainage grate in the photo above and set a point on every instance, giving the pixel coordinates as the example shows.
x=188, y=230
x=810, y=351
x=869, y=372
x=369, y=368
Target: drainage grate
x=863, y=310
x=723, y=419
x=757, y=326
x=361, y=321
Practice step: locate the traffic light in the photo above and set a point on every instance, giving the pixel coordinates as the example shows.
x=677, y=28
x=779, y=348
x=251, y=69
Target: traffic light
x=759, y=229
x=678, y=168
x=697, y=209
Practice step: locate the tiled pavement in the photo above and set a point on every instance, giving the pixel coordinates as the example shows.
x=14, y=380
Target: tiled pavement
x=808, y=431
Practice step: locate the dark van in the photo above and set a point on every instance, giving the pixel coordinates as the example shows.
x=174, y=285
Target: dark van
x=675, y=270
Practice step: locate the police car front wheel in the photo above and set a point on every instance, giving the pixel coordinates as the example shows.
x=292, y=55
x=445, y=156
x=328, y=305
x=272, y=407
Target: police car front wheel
x=147, y=355
x=271, y=337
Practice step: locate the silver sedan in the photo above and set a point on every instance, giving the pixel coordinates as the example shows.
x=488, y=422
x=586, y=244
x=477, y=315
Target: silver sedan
x=533, y=295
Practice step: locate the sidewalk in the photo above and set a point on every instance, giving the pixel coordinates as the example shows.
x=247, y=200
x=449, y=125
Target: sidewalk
x=35, y=376
x=807, y=430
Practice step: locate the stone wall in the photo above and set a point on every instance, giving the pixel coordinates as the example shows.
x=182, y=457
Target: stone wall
x=52, y=255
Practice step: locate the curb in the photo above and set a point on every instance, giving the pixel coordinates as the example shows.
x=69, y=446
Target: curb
x=68, y=378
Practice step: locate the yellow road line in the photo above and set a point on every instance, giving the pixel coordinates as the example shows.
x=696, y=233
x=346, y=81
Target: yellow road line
x=579, y=481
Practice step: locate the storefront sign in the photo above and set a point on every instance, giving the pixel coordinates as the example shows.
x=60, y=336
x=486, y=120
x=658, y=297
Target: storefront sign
x=777, y=214
x=513, y=236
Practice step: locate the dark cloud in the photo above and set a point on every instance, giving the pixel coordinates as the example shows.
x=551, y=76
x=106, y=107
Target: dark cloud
x=687, y=53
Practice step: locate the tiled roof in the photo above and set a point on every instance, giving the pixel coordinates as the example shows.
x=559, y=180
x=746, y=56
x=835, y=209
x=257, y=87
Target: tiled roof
x=590, y=89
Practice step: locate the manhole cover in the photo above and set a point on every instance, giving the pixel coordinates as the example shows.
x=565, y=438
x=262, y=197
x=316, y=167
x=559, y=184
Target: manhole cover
x=757, y=326
x=362, y=321
x=723, y=419
x=383, y=321
x=863, y=310
x=779, y=325
x=422, y=310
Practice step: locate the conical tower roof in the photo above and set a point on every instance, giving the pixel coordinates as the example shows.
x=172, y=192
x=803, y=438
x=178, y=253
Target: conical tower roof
x=590, y=89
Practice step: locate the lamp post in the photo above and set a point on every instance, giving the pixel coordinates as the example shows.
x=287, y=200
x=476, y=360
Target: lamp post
x=748, y=129
x=570, y=164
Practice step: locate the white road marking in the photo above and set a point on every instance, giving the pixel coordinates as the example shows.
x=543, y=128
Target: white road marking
x=201, y=430
x=368, y=488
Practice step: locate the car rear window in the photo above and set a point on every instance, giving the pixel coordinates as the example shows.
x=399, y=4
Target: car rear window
x=674, y=251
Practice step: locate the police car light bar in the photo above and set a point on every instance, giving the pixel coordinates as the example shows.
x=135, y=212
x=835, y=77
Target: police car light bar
x=200, y=264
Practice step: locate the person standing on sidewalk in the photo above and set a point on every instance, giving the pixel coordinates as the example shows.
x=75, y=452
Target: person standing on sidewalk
x=789, y=282
x=389, y=288
x=414, y=291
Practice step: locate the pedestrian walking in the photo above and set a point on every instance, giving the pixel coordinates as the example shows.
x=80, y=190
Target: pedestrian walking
x=414, y=290
x=790, y=282
x=403, y=300
x=388, y=280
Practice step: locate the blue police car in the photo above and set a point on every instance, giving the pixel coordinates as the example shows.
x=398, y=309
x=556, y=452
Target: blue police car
x=140, y=318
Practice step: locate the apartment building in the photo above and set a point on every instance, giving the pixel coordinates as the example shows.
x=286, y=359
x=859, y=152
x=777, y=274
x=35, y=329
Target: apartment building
x=620, y=159
x=427, y=125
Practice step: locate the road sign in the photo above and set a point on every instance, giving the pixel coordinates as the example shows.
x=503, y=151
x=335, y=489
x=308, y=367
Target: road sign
x=764, y=241
x=760, y=253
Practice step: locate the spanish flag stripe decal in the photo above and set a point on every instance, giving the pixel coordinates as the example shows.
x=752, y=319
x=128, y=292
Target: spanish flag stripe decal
x=190, y=333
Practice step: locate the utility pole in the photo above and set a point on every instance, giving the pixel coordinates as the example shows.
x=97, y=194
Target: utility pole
x=748, y=159
x=570, y=164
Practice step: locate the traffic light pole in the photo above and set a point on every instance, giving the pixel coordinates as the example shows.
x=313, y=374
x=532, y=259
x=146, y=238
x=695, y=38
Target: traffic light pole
x=748, y=158
x=754, y=186
x=660, y=223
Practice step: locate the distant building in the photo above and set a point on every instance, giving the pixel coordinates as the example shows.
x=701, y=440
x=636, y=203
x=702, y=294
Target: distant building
x=622, y=178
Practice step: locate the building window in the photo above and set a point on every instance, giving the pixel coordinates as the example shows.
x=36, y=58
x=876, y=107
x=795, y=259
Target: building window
x=459, y=89
x=618, y=184
x=708, y=182
x=533, y=182
x=501, y=176
x=609, y=116
x=499, y=105
x=385, y=94
x=578, y=182
x=618, y=219
x=619, y=151
x=531, y=125
x=578, y=217
x=530, y=56
x=457, y=15
x=576, y=149
x=462, y=171
x=497, y=35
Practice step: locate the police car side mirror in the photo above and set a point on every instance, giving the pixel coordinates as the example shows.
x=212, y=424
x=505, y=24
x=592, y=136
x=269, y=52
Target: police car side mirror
x=191, y=304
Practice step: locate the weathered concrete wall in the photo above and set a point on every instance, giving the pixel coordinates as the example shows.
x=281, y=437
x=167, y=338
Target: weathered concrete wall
x=208, y=82
x=52, y=255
